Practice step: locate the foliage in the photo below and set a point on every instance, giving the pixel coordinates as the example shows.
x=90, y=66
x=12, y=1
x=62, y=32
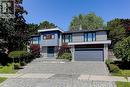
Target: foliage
x=23, y=63
x=122, y=50
x=14, y=31
x=2, y=79
x=17, y=66
x=112, y=67
x=89, y=21
x=32, y=29
x=67, y=56
x=35, y=50
x=123, y=68
x=4, y=59
x=109, y=61
x=123, y=84
x=46, y=25
x=18, y=54
x=117, y=31
x=7, y=69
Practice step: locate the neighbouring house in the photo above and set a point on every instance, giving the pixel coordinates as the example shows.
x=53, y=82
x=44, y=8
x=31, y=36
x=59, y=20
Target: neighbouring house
x=85, y=45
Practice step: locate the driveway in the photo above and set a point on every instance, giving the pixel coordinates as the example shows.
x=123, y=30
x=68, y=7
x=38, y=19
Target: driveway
x=65, y=74
x=56, y=67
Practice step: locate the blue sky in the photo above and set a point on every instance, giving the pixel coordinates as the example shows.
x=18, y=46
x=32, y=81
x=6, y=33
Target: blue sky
x=60, y=12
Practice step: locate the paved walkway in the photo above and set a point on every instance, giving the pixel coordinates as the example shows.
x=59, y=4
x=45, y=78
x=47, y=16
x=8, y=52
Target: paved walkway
x=47, y=73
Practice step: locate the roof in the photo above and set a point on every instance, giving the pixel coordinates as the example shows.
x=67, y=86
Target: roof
x=52, y=29
x=81, y=31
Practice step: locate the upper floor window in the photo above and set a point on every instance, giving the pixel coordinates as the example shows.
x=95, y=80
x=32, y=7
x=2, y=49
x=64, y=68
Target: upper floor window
x=90, y=37
x=67, y=38
x=48, y=36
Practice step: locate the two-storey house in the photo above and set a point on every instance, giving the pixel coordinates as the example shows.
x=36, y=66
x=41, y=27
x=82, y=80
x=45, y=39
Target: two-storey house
x=85, y=45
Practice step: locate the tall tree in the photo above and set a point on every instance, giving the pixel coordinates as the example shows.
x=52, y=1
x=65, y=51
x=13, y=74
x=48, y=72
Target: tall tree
x=32, y=28
x=90, y=21
x=15, y=30
x=118, y=30
x=46, y=25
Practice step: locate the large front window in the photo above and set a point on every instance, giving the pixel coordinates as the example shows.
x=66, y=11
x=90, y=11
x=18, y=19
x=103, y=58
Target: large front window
x=67, y=38
x=90, y=37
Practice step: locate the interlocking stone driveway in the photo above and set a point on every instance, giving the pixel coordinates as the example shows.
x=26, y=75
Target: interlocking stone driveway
x=65, y=74
x=93, y=68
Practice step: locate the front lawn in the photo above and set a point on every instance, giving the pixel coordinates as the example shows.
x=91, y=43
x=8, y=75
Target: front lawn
x=122, y=73
x=7, y=69
x=123, y=84
x=2, y=79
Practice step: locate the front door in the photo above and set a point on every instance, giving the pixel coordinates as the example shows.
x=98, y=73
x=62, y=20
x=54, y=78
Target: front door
x=50, y=51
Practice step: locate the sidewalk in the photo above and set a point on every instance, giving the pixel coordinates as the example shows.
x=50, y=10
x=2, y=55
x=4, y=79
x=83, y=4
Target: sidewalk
x=81, y=77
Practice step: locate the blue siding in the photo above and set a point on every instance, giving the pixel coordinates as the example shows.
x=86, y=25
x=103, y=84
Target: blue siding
x=50, y=42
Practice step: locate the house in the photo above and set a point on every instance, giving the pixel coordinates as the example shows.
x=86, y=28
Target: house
x=85, y=45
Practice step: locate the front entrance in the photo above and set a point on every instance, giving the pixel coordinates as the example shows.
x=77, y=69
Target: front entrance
x=50, y=51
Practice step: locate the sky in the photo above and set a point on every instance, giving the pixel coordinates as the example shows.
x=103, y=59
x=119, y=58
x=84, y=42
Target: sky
x=61, y=12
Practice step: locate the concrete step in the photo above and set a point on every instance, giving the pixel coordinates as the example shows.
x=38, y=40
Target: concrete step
x=49, y=60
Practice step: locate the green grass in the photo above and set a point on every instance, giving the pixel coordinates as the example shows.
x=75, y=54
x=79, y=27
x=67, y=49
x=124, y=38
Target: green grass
x=7, y=69
x=126, y=72
x=2, y=79
x=122, y=73
x=123, y=84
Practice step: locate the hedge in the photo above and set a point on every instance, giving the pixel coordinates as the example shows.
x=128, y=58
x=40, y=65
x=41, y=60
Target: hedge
x=18, y=54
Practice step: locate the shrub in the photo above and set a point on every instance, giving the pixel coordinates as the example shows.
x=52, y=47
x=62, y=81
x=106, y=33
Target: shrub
x=23, y=63
x=108, y=61
x=122, y=50
x=19, y=56
x=4, y=59
x=35, y=50
x=67, y=56
x=17, y=66
x=113, y=68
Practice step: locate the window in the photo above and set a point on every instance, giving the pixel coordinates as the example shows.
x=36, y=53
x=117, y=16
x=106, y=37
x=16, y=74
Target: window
x=90, y=37
x=7, y=7
x=67, y=38
x=35, y=40
x=48, y=36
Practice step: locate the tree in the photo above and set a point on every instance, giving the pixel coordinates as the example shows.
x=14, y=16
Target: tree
x=14, y=31
x=122, y=49
x=87, y=22
x=32, y=28
x=46, y=25
x=117, y=29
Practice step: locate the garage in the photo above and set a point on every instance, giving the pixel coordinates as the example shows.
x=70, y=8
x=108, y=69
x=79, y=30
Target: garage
x=89, y=54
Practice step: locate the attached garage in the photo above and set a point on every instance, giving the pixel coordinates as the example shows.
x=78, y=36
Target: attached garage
x=88, y=54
